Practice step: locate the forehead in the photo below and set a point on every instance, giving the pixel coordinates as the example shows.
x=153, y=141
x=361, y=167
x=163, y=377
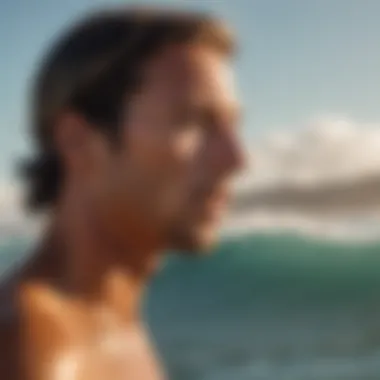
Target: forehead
x=193, y=73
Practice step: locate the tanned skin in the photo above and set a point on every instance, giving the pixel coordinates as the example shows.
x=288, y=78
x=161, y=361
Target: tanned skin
x=165, y=186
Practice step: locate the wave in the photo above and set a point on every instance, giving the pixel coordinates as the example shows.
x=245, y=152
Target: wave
x=282, y=305
x=280, y=267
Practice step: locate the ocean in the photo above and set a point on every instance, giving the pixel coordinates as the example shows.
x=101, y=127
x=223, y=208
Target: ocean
x=265, y=307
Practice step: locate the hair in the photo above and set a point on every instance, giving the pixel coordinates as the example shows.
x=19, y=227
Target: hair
x=92, y=68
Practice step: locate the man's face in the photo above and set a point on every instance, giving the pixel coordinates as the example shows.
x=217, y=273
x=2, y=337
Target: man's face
x=170, y=178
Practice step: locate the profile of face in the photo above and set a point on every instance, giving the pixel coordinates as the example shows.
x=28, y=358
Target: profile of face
x=169, y=180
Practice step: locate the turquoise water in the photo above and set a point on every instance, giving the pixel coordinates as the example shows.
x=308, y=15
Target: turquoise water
x=267, y=308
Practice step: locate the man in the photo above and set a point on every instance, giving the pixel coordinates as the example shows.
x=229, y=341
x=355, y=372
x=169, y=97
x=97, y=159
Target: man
x=135, y=124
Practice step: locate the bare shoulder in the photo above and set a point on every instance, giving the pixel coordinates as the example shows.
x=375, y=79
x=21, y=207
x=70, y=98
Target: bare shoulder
x=29, y=330
x=44, y=324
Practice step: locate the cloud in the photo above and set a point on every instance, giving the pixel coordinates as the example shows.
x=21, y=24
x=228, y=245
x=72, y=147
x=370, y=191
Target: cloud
x=328, y=149
x=322, y=179
x=10, y=201
x=13, y=219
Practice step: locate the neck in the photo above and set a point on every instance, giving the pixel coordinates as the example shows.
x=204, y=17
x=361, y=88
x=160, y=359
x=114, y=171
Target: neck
x=80, y=259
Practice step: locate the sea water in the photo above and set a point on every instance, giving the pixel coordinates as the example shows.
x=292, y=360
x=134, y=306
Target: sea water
x=265, y=307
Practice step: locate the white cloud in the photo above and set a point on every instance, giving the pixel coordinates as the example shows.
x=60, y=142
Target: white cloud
x=10, y=200
x=324, y=151
x=328, y=150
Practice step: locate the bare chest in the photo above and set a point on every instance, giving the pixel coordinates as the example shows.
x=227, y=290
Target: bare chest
x=123, y=355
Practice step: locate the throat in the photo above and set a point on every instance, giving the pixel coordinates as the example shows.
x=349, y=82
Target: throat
x=83, y=267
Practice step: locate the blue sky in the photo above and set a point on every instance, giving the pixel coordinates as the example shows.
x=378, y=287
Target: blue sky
x=299, y=59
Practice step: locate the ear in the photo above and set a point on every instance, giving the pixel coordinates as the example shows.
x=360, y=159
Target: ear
x=76, y=142
x=80, y=145
x=71, y=135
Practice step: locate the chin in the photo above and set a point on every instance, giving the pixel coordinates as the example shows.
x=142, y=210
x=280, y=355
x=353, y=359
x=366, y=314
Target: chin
x=197, y=242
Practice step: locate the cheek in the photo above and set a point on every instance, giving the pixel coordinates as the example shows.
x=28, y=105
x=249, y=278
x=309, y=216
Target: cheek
x=165, y=156
x=165, y=161
x=182, y=163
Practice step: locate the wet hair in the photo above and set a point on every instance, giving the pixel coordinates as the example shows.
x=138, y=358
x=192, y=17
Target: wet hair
x=92, y=69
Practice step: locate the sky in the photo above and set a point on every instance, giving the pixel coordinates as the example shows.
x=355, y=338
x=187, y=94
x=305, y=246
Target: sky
x=298, y=60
